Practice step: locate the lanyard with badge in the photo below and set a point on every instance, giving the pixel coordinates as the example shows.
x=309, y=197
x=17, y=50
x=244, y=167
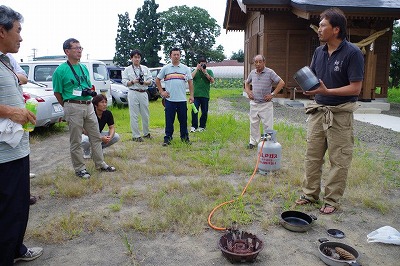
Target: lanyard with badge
x=78, y=91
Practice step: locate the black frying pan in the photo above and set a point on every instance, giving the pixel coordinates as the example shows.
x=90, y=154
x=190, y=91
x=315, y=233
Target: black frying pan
x=297, y=221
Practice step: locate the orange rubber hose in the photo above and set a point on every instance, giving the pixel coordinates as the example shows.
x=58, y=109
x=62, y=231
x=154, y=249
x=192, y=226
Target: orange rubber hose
x=244, y=190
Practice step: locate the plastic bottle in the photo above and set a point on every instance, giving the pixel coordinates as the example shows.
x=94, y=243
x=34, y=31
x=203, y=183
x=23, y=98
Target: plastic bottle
x=194, y=109
x=31, y=105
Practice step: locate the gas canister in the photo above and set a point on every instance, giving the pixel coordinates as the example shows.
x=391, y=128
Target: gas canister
x=271, y=153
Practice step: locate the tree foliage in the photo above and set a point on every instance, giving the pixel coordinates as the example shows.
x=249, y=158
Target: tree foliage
x=123, y=42
x=147, y=33
x=193, y=31
x=395, y=56
x=239, y=56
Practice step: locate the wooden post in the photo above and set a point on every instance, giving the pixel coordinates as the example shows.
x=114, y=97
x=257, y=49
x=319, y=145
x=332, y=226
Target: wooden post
x=368, y=87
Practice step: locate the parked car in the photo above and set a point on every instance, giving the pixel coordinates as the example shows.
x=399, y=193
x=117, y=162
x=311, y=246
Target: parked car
x=42, y=71
x=49, y=110
x=115, y=73
x=119, y=93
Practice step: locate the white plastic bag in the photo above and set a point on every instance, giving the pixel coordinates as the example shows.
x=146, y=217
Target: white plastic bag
x=385, y=234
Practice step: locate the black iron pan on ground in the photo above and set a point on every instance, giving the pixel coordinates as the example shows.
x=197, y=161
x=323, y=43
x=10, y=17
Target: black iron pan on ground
x=297, y=221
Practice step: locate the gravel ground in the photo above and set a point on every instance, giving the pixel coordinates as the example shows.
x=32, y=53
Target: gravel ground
x=375, y=136
x=363, y=131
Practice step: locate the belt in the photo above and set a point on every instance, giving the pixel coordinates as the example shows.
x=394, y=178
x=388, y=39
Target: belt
x=139, y=90
x=78, y=102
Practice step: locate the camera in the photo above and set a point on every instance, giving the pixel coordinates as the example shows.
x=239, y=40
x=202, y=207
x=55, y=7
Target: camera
x=203, y=66
x=141, y=79
x=88, y=92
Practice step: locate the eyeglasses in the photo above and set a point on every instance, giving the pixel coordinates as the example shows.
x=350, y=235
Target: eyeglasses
x=76, y=48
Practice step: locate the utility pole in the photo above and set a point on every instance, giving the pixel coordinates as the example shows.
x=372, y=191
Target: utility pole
x=34, y=52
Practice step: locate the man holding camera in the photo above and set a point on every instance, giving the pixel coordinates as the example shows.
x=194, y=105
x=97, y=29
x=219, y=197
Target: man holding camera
x=202, y=79
x=71, y=85
x=137, y=78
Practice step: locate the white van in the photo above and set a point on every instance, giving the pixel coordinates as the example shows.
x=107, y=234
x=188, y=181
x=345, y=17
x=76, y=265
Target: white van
x=42, y=72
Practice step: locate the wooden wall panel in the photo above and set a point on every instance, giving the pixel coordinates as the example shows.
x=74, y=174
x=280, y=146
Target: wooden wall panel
x=275, y=52
x=298, y=55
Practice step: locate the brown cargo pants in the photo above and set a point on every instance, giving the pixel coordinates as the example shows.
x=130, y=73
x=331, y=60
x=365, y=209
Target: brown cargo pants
x=330, y=128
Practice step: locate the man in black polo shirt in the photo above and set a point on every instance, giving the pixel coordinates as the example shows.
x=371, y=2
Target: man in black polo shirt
x=340, y=67
x=104, y=117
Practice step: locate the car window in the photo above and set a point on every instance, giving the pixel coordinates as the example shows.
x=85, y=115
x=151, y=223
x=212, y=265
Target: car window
x=26, y=69
x=100, y=72
x=154, y=73
x=44, y=72
x=115, y=73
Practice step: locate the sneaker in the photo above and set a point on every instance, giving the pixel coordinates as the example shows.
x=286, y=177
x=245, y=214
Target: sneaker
x=31, y=254
x=148, y=136
x=166, y=143
x=200, y=129
x=83, y=174
x=138, y=139
x=192, y=130
x=107, y=168
x=32, y=175
x=251, y=146
x=187, y=141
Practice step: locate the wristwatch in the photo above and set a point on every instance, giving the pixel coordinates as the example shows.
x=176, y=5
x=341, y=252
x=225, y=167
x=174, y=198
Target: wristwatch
x=272, y=93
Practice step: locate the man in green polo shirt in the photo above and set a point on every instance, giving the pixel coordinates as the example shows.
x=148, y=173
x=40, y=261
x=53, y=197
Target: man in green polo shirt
x=71, y=85
x=202, y=79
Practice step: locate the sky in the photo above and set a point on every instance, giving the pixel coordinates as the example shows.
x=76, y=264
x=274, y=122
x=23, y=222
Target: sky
x=48, y=23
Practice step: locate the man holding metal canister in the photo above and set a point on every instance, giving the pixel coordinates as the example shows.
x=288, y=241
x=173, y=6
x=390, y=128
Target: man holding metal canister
x=339, y=65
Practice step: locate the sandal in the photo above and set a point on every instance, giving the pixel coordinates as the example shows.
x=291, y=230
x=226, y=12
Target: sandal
x=303, y=201
x=108, y=169
x=326, y=205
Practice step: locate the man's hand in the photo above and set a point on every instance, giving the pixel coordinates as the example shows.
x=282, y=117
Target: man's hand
x=22, y=116
x=164, y=94
x=320, y=90
x=250, y=95
x=106, y=139
x=268, y=97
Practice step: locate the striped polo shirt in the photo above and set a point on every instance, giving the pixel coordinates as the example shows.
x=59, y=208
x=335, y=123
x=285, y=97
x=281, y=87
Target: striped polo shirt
x=175, y=78
x=11, y=94
x=262, y=83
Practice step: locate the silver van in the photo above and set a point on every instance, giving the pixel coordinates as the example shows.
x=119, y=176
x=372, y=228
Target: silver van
x=42, y=72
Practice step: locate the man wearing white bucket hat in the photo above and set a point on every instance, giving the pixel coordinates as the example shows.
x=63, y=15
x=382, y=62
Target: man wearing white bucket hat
x=339, y=66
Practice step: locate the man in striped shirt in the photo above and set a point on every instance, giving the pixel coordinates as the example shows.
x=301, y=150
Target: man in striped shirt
x=261, y=94
x=14, y=160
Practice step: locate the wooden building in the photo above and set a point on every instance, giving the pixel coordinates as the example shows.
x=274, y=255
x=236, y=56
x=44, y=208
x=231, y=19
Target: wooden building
x=280, y=30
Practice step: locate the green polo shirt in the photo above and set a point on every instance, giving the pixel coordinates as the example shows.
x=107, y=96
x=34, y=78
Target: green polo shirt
x=65, y=82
